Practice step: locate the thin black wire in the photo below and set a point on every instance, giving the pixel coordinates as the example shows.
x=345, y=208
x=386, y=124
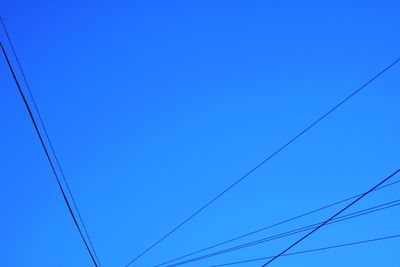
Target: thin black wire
x=47, y=154
x=332, y=217
x=312, y=250
x=270, y=226
x=346, y=217
x=265, y=160
x=292, y=232
x=48, y=137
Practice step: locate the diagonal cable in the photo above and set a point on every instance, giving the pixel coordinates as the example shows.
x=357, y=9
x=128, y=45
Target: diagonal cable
x=265, y=161
x=332, y=217
x=271, y=226
x=346, y=217
x=48, y=138
x=48, y=156
x=312, y=250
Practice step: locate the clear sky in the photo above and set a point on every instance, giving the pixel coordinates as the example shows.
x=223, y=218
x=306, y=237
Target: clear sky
x=155, y=107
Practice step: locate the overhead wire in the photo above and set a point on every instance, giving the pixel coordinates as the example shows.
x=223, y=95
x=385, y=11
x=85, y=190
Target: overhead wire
x=48, y=156
x=346, y=217
x=312, y=250
x=263, y=162
x=271, y=226
x=48, y=138
x=332, y=217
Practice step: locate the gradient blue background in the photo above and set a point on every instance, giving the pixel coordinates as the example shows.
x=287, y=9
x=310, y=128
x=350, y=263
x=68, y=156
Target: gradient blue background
x=154, y=107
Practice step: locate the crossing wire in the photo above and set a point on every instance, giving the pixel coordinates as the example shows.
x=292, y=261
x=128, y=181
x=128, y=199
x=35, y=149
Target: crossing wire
x=272, y=226
x=332, y=217
x=264, y=161
x=313, y=250
x=48, y=156
x=346, y=217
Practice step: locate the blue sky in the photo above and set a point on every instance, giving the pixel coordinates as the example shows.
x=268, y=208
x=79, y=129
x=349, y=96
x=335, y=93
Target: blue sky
x=155, y=107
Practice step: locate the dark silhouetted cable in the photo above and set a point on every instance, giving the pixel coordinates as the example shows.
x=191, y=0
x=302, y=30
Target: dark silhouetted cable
x=332, y=217
x=47, y=154
x=312, y=250
x=265, y=160
x=48, y=138
x=346, y=217
x=271, y=226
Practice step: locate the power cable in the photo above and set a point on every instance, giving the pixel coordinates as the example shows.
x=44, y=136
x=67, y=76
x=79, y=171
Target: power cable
x=313, y=250
x=332, y=217
x=47, y=154
x=349, y=216
x=264, y=161
x=48, y=138
x=271, y=226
